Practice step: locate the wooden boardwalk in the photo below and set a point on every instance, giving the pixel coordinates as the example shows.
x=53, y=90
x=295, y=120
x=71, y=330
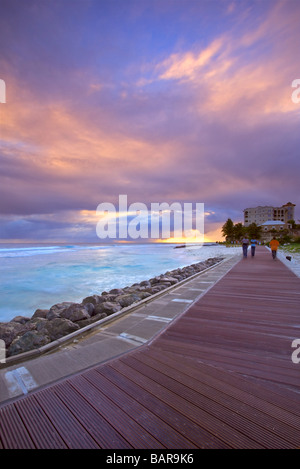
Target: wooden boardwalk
x=220, y=376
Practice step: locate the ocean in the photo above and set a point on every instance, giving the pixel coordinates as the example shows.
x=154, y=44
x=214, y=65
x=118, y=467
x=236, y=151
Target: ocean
x=39, y=276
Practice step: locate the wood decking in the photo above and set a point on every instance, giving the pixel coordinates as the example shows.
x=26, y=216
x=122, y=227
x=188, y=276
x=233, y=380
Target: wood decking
x=220, y=376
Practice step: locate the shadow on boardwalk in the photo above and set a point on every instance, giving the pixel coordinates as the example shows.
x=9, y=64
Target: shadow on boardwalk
x=220, y=376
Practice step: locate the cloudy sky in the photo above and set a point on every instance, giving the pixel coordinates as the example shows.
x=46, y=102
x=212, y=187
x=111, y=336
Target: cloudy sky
x=161, y=100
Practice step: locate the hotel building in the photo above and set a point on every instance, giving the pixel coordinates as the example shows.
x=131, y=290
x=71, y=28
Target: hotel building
x=260, y=215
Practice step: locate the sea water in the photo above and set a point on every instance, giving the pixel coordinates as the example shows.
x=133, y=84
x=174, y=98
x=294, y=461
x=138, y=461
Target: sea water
x=38, y=276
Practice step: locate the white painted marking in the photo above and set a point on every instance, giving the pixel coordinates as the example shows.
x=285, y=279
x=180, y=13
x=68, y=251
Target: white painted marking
x=158, y=318
x=135, y=338
x=19, y=381
x=27, y=378
x=206, y=281
x=181, y=300
x=12, y=383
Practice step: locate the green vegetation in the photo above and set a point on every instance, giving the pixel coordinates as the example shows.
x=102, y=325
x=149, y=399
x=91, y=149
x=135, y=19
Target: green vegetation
x=292, y=247
x=234, y=233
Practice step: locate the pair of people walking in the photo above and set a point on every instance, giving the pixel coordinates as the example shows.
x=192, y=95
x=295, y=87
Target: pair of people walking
x=274, y=244
x=245, y=244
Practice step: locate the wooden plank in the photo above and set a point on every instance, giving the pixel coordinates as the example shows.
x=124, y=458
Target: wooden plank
x=136, y=435
x=101, y=430
x=13, y=433
x=258, y=396
x=190, y=430
x=39, y=427
x=182, y=383
x=71, y=431
x=222, y=409
x=142, y=415
x=192, y=412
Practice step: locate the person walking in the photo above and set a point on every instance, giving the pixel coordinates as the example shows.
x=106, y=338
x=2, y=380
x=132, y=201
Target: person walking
x=253, y=246
x=245, y=244
x=274, y=244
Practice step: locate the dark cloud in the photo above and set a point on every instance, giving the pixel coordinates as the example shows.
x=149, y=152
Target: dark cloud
x=109, y=98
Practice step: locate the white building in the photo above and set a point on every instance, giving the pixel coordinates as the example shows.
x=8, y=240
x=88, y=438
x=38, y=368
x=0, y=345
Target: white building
x=262, y=214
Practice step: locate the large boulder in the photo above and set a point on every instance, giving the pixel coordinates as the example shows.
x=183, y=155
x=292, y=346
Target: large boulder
x=144, y=294
x=145, y=283
x=40, y=313
x=10, y=330
x=127, y=299
x=75, y=312
x=87, y=322
x=107, y=307
x=28, y=341
x=116, y=291
x=21, y=319
x=55, y=310
x=57, y=328
x=94, y=299
x=168, y=279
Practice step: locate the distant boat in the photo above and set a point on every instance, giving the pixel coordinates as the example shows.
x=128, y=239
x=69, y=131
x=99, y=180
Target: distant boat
x=196, y=245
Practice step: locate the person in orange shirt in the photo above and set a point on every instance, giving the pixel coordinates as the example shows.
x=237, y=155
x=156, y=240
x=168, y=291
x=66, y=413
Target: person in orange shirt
x=274, y=243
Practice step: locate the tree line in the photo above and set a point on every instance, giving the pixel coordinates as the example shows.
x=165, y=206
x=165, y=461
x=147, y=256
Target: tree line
x=236, y=232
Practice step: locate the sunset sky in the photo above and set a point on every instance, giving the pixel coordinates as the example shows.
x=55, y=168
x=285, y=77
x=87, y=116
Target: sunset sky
x=161, y=100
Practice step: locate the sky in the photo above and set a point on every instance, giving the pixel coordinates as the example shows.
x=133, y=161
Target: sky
x=186, y=101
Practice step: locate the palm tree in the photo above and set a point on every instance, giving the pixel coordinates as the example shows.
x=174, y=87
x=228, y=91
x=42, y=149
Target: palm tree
x=228, y=230
x=254, y=231
x=239, y=231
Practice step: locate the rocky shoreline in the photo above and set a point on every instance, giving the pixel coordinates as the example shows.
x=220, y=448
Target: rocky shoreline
x=23, y=334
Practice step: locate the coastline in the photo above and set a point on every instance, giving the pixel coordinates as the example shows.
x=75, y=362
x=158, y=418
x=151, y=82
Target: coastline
x=23, y=334
x=33, y=278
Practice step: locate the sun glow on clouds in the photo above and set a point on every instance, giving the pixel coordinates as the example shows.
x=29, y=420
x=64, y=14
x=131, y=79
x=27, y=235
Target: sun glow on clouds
x=178, y=122
x=258, y=85
x=188, y=65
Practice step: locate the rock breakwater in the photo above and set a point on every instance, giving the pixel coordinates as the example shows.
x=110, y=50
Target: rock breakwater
x=23, y=334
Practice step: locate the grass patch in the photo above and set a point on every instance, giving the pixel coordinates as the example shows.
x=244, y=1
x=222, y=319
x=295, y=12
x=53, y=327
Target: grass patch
x=292, y=247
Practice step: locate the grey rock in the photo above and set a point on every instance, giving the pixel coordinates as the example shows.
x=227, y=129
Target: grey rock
x=145, y=283
x=87, y=322
x=75, y=312
x=116, y=291
x=21, y=319
x=127, y=300
x=144, y=294
x=170, y=280
x=59, y=306
x=90, y=308
x=94, y=299
x=58, y=327
x=9, y=331
x=107, y=307
x=28, y=341
x=40, y=313
x=39, y=323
